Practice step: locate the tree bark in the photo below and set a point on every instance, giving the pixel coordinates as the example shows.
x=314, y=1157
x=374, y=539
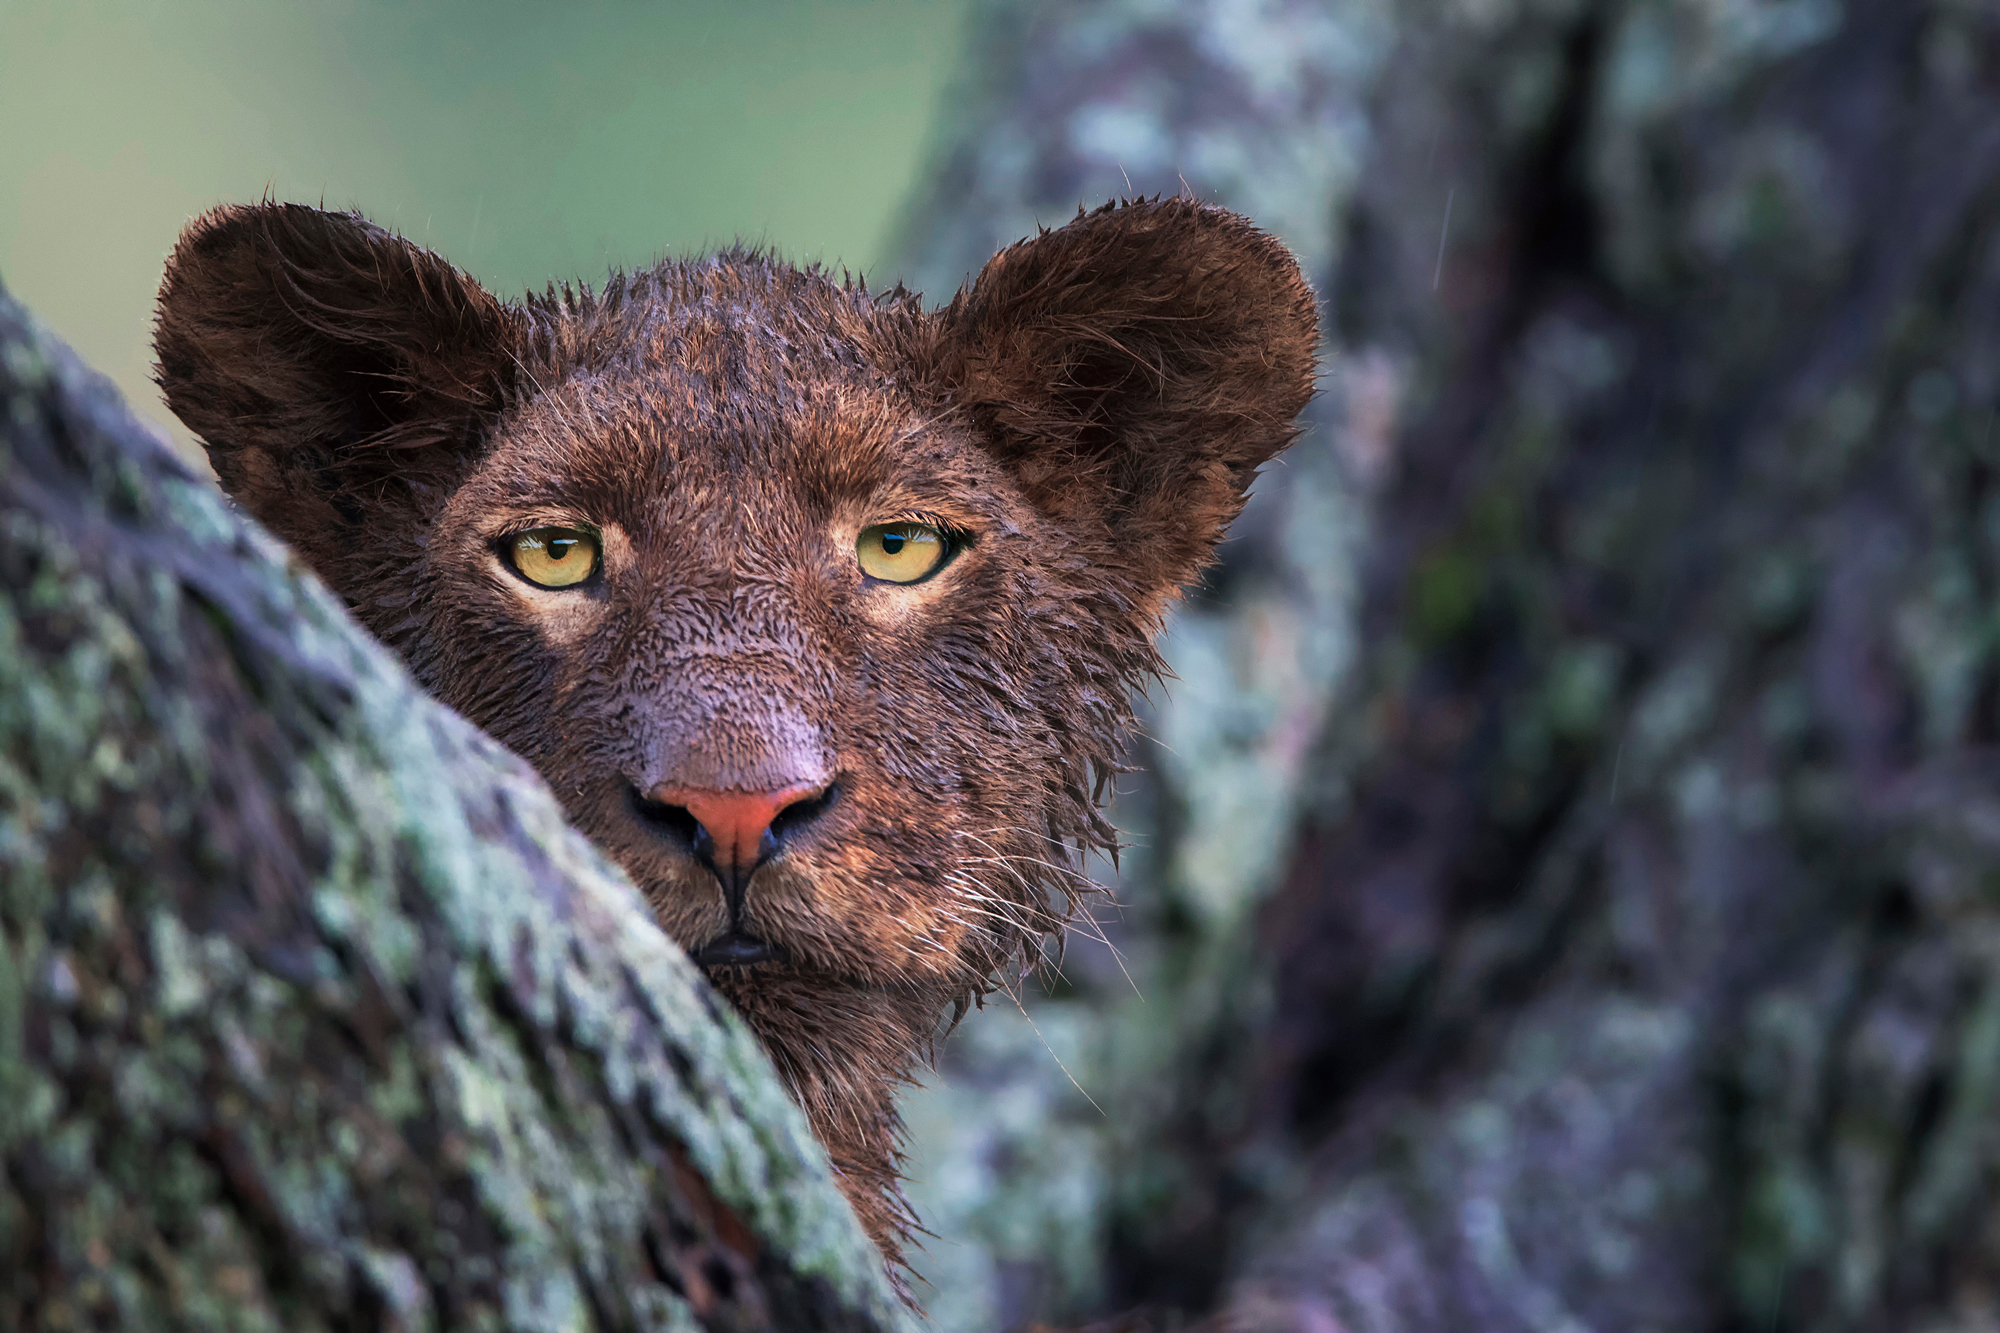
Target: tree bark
x=1644, y=977
x=1631, y=957
x=313, y=1012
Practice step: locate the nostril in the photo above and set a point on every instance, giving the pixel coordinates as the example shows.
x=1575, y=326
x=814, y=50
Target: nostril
x=744, y=836
x=675, y=822
x=802, y=813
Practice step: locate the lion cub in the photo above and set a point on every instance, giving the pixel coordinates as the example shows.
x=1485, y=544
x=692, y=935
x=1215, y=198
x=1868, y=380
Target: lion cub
x=819, y=611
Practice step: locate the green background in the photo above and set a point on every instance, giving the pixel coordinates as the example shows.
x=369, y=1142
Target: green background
x=526, y=142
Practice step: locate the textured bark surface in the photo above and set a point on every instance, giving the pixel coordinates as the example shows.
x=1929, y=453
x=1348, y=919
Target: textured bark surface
x=313, y=1013
x=1627, y=958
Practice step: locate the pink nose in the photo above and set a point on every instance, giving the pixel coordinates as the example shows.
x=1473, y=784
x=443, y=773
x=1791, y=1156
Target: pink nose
x=738, y=823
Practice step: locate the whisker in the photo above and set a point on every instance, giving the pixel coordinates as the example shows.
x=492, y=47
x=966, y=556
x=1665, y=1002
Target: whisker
x=1052, y=1051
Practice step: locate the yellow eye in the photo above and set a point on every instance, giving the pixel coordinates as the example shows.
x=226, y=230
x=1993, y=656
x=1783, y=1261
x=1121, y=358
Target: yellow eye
x=900, y=552
x=554, y=557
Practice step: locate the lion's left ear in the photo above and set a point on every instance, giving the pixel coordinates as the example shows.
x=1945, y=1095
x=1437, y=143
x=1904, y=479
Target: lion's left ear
x=1132, y=370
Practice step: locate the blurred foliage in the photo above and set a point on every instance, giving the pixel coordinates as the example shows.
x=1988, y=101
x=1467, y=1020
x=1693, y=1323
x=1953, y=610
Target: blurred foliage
x=526, y=142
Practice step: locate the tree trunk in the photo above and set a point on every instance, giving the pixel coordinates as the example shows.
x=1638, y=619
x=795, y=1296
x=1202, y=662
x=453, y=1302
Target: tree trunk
x=1633, y=959
x=313, y=1012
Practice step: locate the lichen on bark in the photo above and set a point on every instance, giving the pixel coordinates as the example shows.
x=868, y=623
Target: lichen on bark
x=314, y=1014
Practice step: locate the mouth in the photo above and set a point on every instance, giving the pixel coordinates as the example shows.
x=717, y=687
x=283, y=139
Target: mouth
x=737, y=949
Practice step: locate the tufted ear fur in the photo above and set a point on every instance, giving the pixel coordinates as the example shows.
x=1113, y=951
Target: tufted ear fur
x=1133, y=369
x=335, y=372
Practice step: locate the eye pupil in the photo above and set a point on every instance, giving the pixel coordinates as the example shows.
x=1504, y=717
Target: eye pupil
x=901, y=552
x=542, y=556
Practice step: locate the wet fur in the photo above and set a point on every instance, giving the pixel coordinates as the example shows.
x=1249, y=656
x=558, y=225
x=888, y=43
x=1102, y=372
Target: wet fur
x=1089, y=412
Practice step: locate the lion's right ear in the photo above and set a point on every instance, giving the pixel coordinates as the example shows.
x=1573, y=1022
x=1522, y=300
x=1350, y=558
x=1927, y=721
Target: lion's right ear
x=338, y=374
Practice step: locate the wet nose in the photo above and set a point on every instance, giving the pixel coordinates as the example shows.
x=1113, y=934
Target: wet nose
x=737, y=830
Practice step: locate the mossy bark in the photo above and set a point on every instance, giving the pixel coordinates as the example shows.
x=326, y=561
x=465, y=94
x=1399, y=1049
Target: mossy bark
x=1629, y=958
x=313, y=1012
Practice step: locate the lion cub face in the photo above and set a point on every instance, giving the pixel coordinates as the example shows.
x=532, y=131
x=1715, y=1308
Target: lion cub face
x=768, y=628
x=819, y=612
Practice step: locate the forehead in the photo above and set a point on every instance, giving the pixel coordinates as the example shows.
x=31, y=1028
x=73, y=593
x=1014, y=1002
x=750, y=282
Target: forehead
x=727, y=377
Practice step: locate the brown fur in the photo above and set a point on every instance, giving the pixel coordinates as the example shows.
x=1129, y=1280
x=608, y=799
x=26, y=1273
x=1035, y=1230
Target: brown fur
x=1088, y=412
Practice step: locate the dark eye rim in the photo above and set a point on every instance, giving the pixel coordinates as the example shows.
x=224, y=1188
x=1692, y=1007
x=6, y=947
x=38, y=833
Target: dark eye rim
x=503, y=547
x=953, y=540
